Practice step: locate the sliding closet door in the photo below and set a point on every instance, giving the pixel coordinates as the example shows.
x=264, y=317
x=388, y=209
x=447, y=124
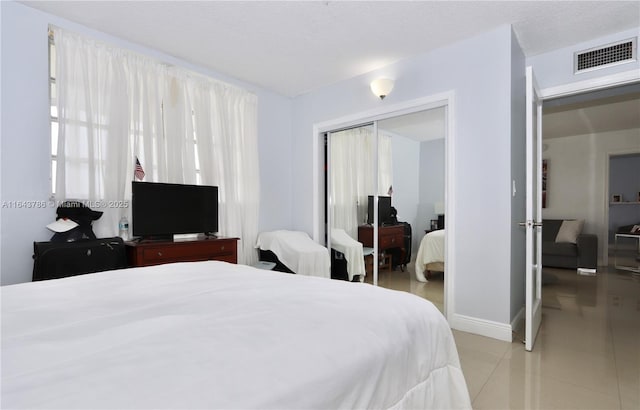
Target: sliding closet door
x=351, y=179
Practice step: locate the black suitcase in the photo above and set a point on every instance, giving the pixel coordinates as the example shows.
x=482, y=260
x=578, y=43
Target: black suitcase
x=396, y=254
x=407, y=243
x=338, y=266
x=53, y=260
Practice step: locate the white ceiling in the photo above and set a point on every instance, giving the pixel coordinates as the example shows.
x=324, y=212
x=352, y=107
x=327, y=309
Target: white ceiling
x=607, y=114
x=293, y=47
x=420, y=126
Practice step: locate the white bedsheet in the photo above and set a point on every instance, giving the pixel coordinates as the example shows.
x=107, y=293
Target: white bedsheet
x=352, y=251
x=297, y=251
x=431, y=250
x=212, y=335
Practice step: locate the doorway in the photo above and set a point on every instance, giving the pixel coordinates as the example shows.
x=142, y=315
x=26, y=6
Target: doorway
x=576, y=90
x=581, y=135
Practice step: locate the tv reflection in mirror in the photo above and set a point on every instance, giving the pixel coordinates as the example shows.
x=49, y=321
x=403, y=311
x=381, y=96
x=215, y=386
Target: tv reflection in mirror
x=384, y=210
x=162, y=210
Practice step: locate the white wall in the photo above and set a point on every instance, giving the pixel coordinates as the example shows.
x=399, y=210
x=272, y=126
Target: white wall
x=25, y=156
x=432, y=176
x=556, y=67
x=577, y=177
x=478, y=71
x=1, y=128
x=518, y=175
x=406, y=173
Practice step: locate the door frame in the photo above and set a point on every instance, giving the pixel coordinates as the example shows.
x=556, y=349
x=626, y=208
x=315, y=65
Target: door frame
x=607, y=198
x=579, y=87
x=445, y=99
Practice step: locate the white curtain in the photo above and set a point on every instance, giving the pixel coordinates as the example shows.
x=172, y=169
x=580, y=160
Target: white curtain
x=385, y=164
x=93, y=136
x=352, y=176
x=227, y=152
x=115, y=105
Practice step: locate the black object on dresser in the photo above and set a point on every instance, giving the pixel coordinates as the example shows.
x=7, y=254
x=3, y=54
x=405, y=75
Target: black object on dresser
x=54, y=260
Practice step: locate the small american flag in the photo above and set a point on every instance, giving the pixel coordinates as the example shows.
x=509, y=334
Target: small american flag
x=139, y=172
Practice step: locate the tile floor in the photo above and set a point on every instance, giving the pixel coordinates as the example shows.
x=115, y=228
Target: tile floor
x=587, y=354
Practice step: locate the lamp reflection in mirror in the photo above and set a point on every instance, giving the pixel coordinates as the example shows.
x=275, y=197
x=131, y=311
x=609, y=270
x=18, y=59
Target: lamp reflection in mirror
x=438, y=208
x=381, y=87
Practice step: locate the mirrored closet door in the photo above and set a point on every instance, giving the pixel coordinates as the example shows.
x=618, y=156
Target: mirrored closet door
x=398, y=165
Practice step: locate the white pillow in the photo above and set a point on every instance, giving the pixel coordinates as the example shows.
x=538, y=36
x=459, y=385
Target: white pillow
x=569, y=231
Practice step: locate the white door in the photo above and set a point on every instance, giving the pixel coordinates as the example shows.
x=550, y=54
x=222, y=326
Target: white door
x=533, y=223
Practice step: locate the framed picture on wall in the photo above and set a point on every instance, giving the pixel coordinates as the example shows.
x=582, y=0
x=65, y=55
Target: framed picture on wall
x=616, y=198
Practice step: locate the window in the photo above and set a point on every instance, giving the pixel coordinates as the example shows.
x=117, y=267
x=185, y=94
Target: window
x=114, y=106
x=81, y=161
x=53, y=112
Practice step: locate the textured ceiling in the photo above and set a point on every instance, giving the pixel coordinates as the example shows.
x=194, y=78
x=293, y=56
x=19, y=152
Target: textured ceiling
x=293, y=47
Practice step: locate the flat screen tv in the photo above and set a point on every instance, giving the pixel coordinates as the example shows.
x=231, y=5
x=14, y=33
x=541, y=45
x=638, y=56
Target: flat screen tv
x=384, y=210
x=162, y=210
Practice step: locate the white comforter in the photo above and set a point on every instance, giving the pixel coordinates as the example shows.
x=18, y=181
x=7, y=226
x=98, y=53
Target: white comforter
x=431, y=250
x=297, y=251
x=215, y=335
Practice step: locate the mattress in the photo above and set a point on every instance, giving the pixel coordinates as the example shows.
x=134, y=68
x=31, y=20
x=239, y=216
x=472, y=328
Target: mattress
x=431, y=251
x=297, y=251
x=216, y=335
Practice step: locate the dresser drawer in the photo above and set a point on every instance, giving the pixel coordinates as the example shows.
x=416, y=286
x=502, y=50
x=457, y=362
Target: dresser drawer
x=388, y=236
x=391, y=241
x=143, y=254
x=160, y=254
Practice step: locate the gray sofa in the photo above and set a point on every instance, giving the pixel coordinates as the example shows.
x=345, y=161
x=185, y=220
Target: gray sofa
x=582, y=254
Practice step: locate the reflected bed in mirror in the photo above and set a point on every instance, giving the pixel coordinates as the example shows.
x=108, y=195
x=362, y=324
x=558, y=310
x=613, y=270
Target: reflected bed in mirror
x=430, y=257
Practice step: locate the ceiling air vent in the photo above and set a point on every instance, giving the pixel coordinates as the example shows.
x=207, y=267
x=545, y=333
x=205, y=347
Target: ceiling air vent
x=605, y=56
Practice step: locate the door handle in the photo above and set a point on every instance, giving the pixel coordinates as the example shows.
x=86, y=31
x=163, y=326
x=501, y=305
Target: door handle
x=530, y=223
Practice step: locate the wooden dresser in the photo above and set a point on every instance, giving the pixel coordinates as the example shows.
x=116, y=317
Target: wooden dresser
x=159, y=252
x=388, y=236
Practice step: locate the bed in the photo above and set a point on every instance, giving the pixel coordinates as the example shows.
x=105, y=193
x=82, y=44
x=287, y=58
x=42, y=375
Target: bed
x=217, y=335
x=296, y=252
x=430, y=257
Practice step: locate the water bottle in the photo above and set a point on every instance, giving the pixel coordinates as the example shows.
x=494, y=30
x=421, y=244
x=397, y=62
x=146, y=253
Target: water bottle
x=123, y=228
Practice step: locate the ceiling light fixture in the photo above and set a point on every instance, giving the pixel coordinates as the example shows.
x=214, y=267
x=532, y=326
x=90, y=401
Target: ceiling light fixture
x=381, y=87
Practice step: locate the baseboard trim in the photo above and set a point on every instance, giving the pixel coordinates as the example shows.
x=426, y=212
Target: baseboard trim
x=518, y=320
x=488, y=328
